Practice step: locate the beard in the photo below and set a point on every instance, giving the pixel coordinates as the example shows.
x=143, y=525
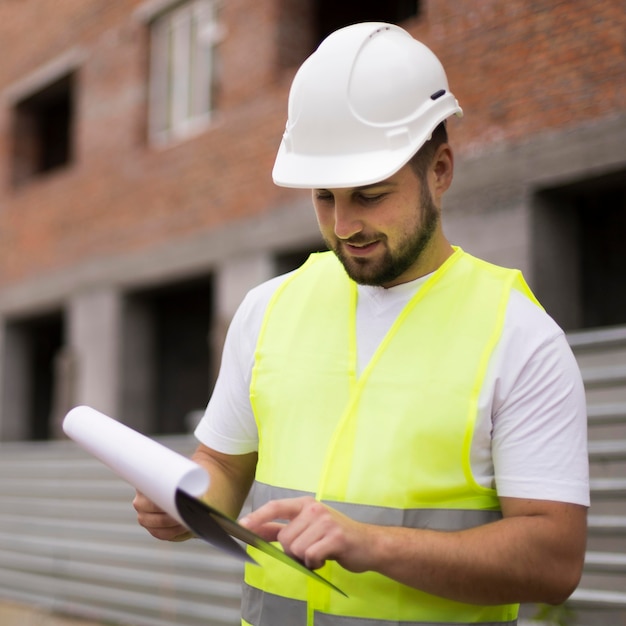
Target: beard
x=394, y=263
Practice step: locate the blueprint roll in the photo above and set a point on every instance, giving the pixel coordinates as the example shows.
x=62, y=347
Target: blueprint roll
x=150, y=467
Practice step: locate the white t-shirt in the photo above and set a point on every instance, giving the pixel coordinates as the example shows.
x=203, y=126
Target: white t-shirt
x=531, y=433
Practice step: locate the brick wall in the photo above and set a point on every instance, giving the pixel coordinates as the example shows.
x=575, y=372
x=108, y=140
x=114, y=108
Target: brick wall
x=519, y=68
x=522, y=68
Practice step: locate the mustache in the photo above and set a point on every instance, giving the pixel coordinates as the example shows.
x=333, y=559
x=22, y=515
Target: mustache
x=360, y=239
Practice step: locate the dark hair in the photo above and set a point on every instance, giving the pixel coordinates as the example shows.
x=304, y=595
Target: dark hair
x=422, y=159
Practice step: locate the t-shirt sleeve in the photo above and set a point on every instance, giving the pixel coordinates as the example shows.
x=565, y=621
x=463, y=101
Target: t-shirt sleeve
x=539, y=438
x=228, y=424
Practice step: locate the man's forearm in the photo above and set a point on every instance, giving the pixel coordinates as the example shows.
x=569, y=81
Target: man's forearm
x=517, y=559
x=231, y=478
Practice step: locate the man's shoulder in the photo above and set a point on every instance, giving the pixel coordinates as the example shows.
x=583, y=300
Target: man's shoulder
x=258, y=297
x=525, y=319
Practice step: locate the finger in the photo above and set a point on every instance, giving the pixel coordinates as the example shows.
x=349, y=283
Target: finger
x=270, y=531
x=157, y=522
x=303, y=548
x=150, y=515
x=305, y=538
x=316, y=555
x=142, y=504
x=163, y=527
x=309, y=524
x=286, y=509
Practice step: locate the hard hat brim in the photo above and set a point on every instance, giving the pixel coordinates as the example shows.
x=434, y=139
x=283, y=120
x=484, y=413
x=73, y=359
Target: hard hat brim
x=334, y=172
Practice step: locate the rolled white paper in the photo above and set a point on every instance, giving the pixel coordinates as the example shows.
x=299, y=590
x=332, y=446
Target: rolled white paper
x=150, y=467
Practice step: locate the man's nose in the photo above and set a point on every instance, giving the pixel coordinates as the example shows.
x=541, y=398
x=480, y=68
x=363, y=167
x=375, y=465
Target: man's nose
x=348, y=220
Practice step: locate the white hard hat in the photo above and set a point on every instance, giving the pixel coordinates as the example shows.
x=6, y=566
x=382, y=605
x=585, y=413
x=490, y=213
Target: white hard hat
x=360, y=107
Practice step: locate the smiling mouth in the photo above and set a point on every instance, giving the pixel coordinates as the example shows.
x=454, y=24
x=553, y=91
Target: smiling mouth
x=359, y=249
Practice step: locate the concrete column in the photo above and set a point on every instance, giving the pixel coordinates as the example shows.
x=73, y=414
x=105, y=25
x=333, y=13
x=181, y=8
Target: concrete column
x=233, y=279
x=15, y=383
x=94, y=337
x=498, y=236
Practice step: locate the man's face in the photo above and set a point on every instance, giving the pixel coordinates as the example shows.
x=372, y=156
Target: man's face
x=379, y=232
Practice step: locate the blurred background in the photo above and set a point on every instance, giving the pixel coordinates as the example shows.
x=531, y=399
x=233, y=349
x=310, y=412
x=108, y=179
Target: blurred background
x=137, y=139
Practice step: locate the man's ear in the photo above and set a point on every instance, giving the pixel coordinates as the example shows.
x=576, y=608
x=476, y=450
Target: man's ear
x=442, y=170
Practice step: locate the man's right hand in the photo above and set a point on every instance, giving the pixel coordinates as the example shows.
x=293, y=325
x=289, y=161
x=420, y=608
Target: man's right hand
x=157, y=522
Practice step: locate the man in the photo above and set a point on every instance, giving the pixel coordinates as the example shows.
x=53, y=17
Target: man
x=411, y=419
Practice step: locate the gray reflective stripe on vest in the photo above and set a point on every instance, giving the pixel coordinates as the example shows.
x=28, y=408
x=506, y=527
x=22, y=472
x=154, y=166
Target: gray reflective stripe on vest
x=436, y=519
x=266, y=609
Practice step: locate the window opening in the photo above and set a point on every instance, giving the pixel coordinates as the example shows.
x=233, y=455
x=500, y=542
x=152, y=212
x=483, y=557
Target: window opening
x=167, y=356
x=303, y=25
x=43, y=131
x=579, y=266
x=333, y=15
x=31, y=376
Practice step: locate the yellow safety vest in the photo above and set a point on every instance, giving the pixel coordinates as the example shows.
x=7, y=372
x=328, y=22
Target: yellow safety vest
x=389, y=447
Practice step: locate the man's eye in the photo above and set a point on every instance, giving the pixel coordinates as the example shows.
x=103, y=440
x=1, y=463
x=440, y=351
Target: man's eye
x=323, y=197
x=371, y=198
